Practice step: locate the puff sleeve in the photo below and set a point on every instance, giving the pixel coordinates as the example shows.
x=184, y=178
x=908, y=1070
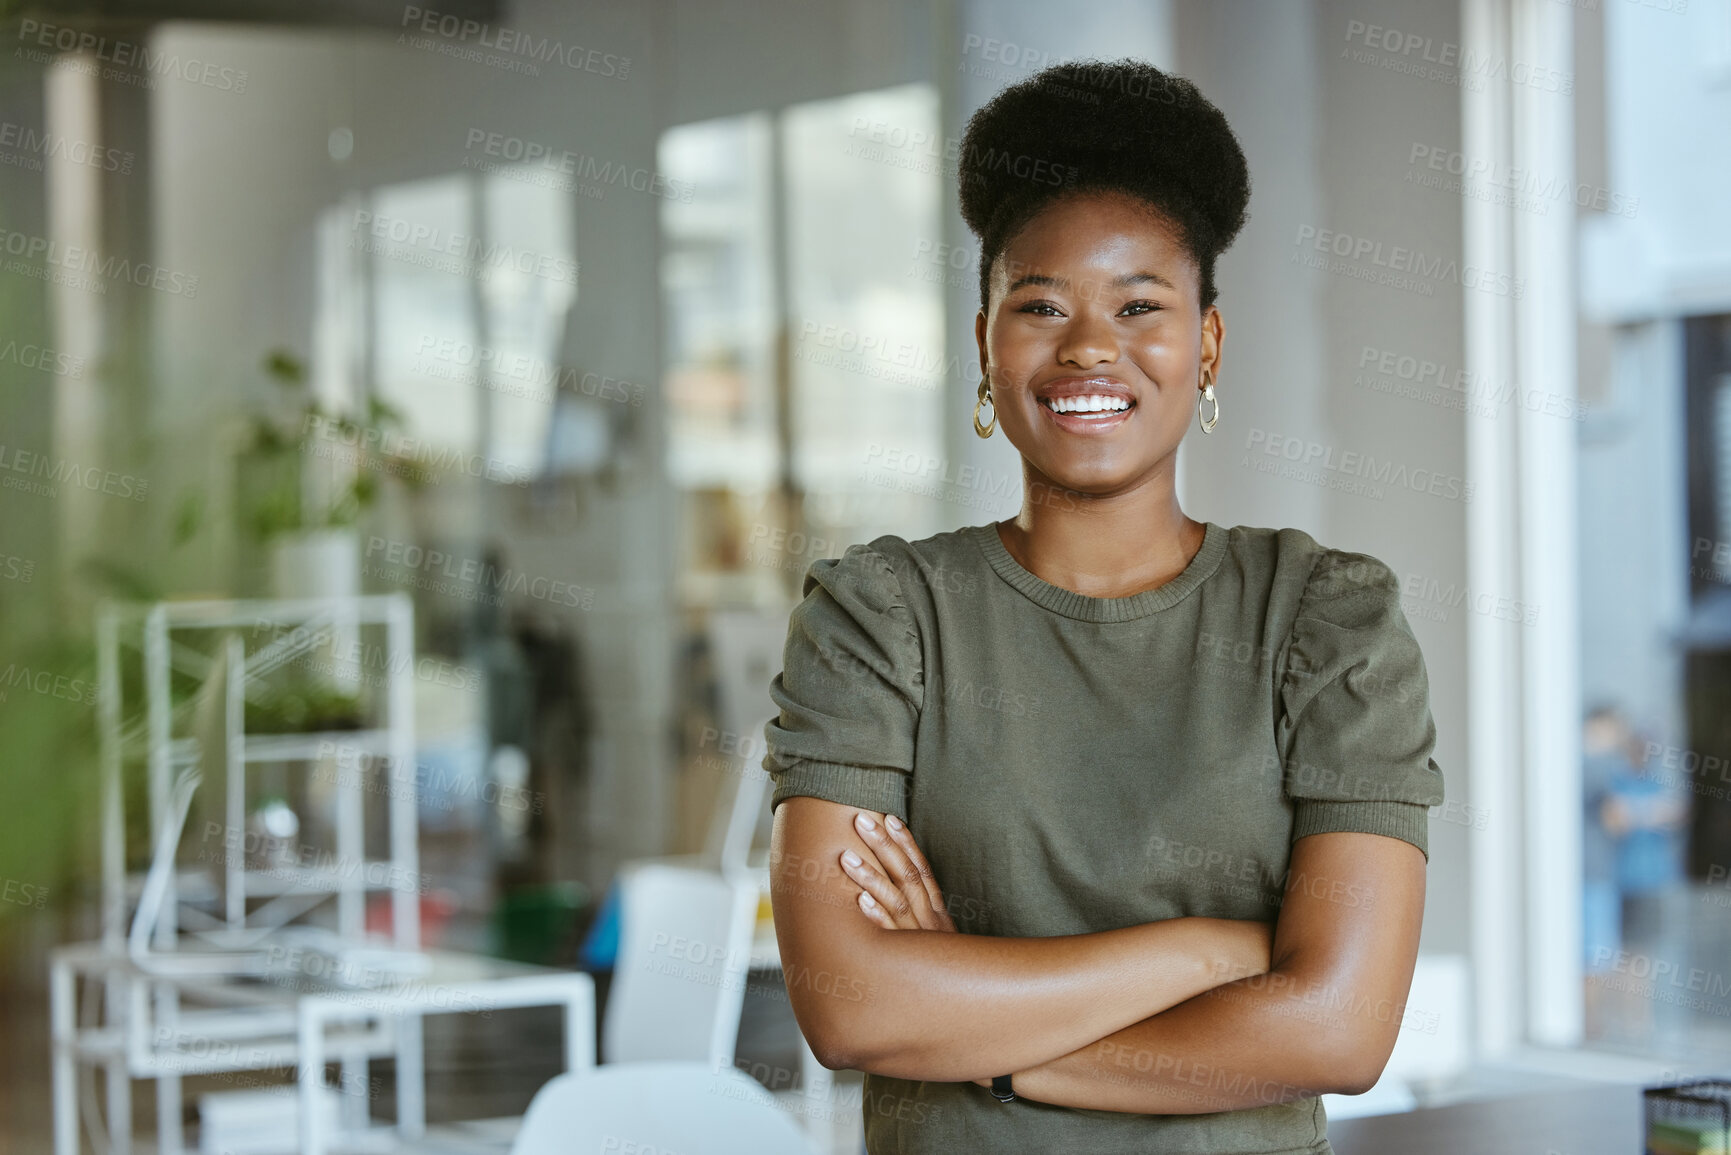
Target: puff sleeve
x=850, y=689
x=1355, y=731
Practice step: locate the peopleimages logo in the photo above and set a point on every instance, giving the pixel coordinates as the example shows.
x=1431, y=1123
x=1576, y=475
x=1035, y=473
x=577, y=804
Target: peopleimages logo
x=1351, y=470
x=19, y=466
x=512, y=151
x=351, y=767
x=1369, y=259
x=1409, y=375
x=920, y=150
x=462, y=31
x=42, y=359
x=413, y=451
x=46, y=683
x=1538, y=189
x=477, y=574
x=76, y=259
x=129, y=54
x=33, y=147
x=1422, y=56
x=518, y=374
x=879, y=355
x=453, y=252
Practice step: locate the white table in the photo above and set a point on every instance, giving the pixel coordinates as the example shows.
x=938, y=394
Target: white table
x=457, y=984
x=294, y=1019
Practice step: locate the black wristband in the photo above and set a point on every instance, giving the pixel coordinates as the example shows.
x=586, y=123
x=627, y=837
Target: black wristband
x=1001, y=1089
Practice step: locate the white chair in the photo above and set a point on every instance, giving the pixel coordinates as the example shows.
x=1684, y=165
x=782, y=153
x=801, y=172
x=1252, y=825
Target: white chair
x=679, y=978
x=747, y=647
x=657, y=1107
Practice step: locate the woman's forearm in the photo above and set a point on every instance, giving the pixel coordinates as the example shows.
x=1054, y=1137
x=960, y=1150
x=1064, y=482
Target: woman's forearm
x=930, y=1004
x=1323, y=1019
x=1252, y=1043
x=955, y=1007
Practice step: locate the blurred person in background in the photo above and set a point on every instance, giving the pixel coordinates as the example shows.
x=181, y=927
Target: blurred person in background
x=1601, y=906
x=1642, y=815
x=1632, y=863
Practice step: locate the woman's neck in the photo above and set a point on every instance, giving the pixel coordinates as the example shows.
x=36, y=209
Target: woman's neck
x=1104, y=547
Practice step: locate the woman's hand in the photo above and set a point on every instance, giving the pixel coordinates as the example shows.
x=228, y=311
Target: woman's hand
x=898, y=890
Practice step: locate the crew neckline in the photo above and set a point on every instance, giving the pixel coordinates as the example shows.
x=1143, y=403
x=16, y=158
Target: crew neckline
x=1085, y=608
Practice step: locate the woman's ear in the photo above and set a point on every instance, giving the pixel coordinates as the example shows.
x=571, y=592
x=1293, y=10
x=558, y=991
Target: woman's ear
x=1213, y=337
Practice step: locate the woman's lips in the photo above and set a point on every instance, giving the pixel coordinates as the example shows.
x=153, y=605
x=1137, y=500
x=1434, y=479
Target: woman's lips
x=1088, y=423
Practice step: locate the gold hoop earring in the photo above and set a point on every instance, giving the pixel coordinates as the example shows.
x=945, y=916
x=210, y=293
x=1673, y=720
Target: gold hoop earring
x=985, y=399
x=1207, y=395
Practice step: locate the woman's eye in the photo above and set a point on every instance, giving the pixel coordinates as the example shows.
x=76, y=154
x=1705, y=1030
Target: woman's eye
x=1047, y=309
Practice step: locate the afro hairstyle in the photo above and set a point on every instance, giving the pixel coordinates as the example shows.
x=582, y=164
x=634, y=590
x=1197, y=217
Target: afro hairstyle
x=1098, y=126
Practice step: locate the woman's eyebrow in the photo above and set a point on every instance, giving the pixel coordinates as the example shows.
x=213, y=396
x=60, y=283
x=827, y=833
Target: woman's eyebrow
x=1116, y=282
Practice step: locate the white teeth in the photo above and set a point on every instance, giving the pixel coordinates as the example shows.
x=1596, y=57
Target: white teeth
x=1093, y=403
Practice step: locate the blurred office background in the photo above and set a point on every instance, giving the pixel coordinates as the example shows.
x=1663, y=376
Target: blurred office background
x=585, y=328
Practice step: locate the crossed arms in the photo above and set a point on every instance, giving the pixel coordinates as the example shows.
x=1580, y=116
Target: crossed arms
x=1183, y=1016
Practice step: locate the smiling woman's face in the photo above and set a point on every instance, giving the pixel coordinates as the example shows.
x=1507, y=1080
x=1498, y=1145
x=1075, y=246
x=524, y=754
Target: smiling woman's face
x=1096, y=342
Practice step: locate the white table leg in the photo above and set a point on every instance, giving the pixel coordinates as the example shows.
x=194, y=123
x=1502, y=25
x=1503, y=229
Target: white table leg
x=355, y=1112
x=63, y=1031
x=311, y=1078
x=580, y=1029
x=121, y=1007
x=170, y=1138
x=119, y=1108
x=411, y=1076
x=170, y=1135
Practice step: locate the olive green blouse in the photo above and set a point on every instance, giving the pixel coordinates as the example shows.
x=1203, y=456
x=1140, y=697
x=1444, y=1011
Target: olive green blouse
x=1073, y=764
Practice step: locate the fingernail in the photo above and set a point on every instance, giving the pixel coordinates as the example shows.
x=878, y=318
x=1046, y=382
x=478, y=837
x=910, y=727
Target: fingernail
x=866, y=899
x=850, y=858
x=891, y=821
x=865, y=822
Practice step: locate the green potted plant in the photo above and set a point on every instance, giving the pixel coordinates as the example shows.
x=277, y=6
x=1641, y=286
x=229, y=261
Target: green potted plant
x=308, y=476
x=305, y=479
